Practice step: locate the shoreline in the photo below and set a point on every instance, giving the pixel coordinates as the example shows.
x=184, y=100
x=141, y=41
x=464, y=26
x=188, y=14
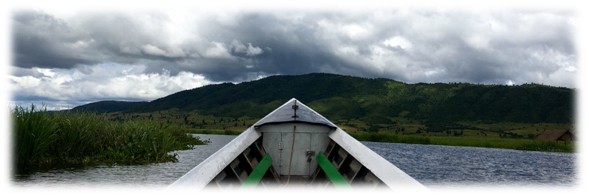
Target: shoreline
x=499, y=143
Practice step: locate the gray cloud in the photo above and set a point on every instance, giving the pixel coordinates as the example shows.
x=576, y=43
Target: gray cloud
x=42, y=41
x=411, y=45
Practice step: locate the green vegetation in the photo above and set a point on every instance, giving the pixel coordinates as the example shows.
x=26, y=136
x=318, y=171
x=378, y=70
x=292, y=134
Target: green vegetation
x=370, y=100
x=215, y=131
x=388, y=137
x=110, y=106
x=379, y=109
x=508, y=135
x=506, y=143
x=45, y=140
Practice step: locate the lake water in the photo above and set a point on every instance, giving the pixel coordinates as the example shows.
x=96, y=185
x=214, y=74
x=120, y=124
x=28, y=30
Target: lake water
x=432, y=165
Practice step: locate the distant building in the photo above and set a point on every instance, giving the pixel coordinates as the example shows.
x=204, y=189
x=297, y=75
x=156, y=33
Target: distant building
x=556, y=135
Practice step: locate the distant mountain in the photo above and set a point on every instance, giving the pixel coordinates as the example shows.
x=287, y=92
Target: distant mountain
x=109, y=106
x=372, y=100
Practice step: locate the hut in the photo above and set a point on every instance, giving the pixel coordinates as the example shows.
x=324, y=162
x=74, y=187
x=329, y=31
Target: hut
x=556, y=135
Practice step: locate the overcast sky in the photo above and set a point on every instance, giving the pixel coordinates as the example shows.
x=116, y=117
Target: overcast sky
x=68, y=59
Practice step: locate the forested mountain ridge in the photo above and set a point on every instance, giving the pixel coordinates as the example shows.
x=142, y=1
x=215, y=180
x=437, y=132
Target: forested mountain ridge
x=377, y=100
x=109, y=106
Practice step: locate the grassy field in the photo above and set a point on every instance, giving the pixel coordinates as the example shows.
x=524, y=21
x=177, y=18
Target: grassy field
x=505, y=143
x=508, y=135
x=486, y=142
x=46, y=140
x=215, y=131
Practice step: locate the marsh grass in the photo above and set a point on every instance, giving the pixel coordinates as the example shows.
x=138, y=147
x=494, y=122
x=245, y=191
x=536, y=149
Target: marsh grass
x=45, y=140
x=505, y=143
x=388, y=137
x=216, y=131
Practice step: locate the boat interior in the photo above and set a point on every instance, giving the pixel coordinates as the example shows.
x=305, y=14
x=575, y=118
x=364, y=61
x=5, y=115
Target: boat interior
x=336, y=167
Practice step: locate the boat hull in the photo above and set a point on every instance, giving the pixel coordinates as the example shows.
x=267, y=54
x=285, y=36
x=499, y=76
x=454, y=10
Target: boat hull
x=295, y=145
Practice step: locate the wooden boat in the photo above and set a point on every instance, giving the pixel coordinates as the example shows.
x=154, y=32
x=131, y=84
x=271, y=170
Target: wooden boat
x=294, y=145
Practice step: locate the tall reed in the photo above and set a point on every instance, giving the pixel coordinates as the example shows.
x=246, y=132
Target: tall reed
x=33, y=135
x=44, y=140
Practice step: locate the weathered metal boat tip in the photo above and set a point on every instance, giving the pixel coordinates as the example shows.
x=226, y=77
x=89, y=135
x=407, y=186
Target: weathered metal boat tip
x=294, y=145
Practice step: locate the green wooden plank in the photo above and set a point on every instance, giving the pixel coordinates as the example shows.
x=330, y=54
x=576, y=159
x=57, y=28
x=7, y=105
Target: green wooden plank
x=332, y=174
x=258, y=173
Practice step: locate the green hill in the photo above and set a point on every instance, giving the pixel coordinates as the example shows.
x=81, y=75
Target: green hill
x=370, y=100
x=108, y=106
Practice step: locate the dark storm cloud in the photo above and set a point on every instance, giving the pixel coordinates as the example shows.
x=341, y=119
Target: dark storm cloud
x=288, y=48
x=460, y=46
x=146, y=55
x=39, y=42
x=408, y=45
x=42, y=40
